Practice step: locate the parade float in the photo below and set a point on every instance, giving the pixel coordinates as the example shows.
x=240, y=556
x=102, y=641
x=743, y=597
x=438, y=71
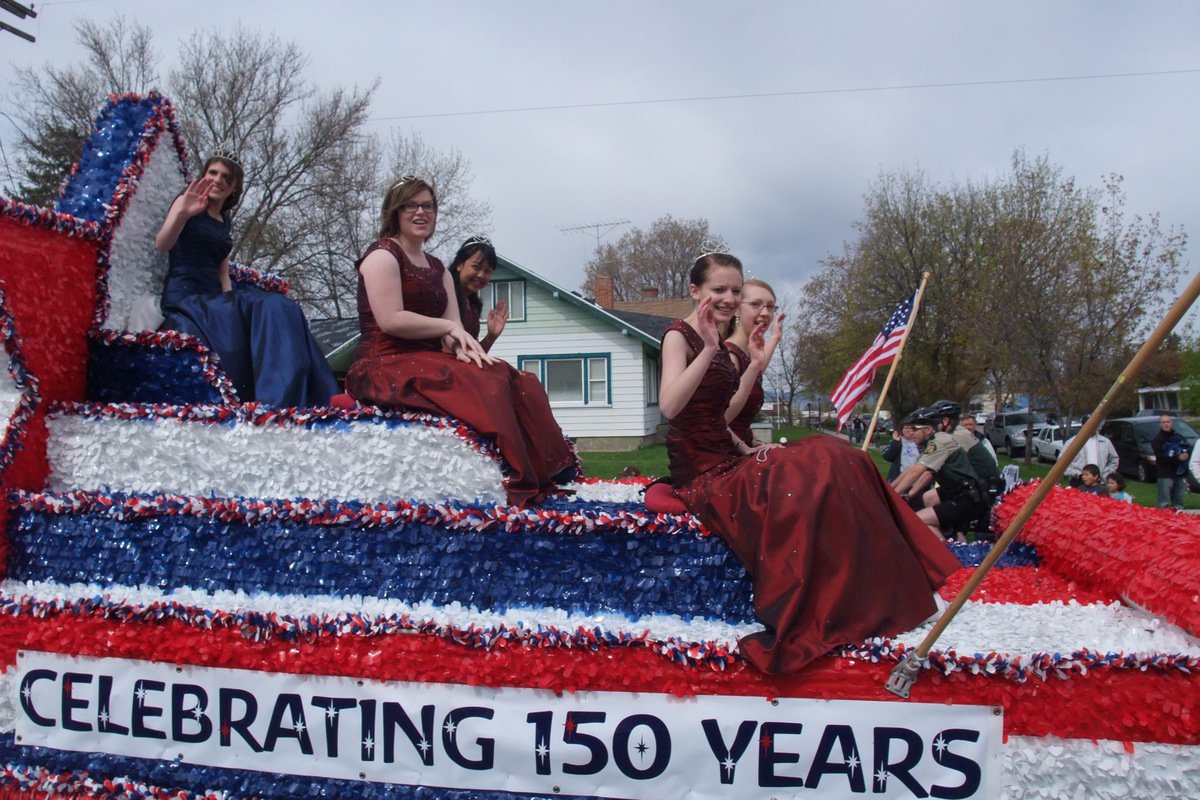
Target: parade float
x=208, y=599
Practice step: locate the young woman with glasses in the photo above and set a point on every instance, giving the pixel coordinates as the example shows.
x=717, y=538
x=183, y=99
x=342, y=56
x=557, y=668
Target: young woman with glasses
x=416, y=354
x=755, y=314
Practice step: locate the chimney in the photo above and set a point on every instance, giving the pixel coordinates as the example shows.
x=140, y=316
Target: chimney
x=604, y=291
x=649, y=293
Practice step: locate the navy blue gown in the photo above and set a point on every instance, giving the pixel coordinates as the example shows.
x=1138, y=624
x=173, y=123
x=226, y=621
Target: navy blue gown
x=261, y=338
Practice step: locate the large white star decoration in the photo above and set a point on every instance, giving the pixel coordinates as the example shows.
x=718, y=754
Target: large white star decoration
x=450, y=728
x=369, y=745
x=331, y=713
x=939, y=744
x=198, y=712
x=423, y=746
x=728, y=764
x=103, y=716
x=140, y=694
x=542, y=750
x=298, y=725
x=852, y=763
x=881, y=778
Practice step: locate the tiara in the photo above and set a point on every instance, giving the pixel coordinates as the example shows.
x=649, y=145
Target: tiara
x=403, y=180
x=226, y=153
x=712, y=248
x=477, y=239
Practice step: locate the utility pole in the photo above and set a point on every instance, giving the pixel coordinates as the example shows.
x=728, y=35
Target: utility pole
x=13, y=7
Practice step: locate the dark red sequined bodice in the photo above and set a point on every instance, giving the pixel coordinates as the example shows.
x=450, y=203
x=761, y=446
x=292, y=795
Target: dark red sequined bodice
x=698, y=438
x=424, y=293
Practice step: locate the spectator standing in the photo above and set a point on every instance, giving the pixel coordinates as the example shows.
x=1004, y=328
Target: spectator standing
x=901, y=452
x=968, y=423
x=1171, y=459
x=1097, y=450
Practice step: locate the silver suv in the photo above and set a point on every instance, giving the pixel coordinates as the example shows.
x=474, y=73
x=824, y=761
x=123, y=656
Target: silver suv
x=1006, y=430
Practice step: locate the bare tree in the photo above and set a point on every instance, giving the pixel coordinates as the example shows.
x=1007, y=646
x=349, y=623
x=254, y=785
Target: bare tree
x=345, y=218
x=786, y=374
x=56, y=106
x=659, y=258
x=245, y=92
x=314, y=178
x=459, y=215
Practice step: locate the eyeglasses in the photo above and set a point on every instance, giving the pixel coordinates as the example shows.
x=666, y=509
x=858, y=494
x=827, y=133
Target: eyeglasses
x=412, y=208
x=759, y=305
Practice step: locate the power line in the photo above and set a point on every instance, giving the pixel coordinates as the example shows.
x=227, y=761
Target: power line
x=798, y=93
x=20, y=11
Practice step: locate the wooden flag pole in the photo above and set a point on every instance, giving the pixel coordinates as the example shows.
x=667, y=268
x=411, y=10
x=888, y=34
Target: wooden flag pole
x=887, y=384
x=904, y=675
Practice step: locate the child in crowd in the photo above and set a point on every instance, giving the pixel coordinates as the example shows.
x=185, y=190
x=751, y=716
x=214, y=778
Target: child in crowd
x=1090, y=477
x=1116, y=487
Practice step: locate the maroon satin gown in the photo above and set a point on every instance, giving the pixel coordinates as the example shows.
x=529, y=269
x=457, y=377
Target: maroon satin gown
x=502, y=404
x=754, y=402
x=834, y=555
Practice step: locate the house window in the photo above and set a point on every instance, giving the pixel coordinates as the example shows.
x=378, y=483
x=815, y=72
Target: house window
x=511, y=291
x=571, y=380
x=653, y=373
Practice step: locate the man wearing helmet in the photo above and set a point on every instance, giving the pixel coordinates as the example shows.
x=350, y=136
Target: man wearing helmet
x=957, y=500
x=982, y=460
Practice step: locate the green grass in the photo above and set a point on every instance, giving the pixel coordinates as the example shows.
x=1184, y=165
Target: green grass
x=652, y=461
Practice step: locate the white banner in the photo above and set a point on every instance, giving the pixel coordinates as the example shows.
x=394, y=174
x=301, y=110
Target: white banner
x=606, y=744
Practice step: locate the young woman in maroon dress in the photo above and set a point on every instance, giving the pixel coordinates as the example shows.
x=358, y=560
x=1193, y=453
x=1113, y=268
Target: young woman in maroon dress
x=834, y=554
x=757, y=308
x=415, y=354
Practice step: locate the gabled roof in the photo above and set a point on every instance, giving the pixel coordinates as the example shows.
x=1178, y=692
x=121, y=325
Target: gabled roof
x=629, y=324
x=651, y=324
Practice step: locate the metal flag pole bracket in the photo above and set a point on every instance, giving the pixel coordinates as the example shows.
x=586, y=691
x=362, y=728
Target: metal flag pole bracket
x=904, y=675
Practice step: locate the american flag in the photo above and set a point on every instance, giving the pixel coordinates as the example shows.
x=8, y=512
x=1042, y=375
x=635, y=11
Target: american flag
x=858, y=378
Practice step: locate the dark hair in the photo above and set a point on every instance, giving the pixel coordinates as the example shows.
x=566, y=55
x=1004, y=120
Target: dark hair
x=399, y=193
x=1092, y=469
x=239, y=182
x=476, y=244
x=1118, y=479
x=706, y=262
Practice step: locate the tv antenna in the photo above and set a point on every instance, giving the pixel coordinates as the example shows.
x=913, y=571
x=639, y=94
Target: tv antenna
x=599, y=229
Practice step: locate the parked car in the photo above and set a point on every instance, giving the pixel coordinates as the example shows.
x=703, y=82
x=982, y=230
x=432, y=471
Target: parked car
x=1133, y=438
x=1049, y=442
x=1006, y=430
x=1157, y=412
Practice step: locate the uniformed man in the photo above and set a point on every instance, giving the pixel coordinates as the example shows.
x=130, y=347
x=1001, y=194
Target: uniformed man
x=957, y=500
x=982, y=461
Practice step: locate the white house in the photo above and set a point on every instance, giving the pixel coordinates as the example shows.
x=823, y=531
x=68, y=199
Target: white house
x=600, y=366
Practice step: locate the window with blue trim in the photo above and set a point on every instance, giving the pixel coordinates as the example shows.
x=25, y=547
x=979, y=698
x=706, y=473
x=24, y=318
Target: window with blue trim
x=653, y=372
x=581, y=379
x=513, y=292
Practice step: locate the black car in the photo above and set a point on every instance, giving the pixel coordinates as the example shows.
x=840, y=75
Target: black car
x=1133, y=438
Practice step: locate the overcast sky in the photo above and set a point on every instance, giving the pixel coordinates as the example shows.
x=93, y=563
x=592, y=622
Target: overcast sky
x=806, y=103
